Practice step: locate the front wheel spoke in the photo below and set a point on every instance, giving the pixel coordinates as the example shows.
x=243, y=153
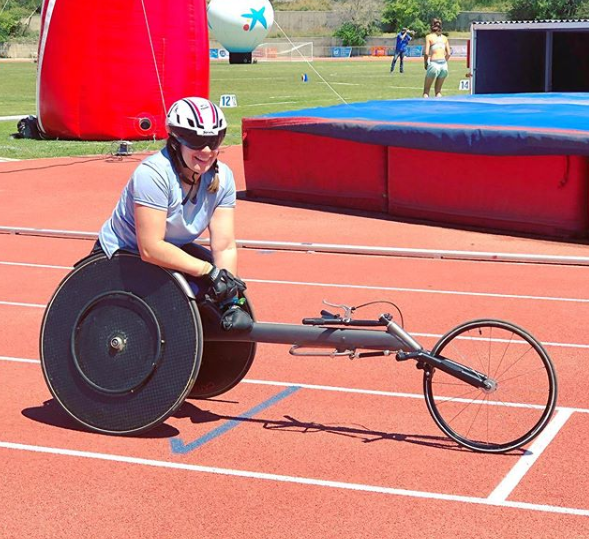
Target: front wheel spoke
x=478, y=353
x=466, y=395
x=457, y=352
x=504, y=354
x=464, y=408
x=490, y=348
x=516, y=362
x=474, y=419
x=516, y=376
x=488, y=417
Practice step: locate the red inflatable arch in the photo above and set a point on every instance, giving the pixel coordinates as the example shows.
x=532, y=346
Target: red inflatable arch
x=108, y=70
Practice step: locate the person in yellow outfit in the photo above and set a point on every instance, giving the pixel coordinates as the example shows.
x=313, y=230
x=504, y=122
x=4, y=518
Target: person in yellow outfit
x=435, y=56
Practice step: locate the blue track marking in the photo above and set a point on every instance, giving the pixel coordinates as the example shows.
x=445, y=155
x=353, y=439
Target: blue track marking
x=179, y=447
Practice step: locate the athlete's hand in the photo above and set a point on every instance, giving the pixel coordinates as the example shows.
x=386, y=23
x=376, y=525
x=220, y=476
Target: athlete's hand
x=223, y=285
x=236, y=318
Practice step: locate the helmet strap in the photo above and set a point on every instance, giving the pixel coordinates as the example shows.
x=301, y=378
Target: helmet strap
x=175, y=152
x=180, y=166
x=192, y=184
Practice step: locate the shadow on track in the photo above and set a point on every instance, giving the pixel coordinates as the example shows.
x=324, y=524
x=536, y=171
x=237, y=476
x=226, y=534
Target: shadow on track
x=291, y=424
x=50, y=413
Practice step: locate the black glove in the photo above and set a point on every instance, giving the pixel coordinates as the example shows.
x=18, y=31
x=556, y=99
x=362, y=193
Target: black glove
x=223, y=285
x=236, y=318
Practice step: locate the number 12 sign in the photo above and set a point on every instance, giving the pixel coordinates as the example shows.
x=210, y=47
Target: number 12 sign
x=228, y=100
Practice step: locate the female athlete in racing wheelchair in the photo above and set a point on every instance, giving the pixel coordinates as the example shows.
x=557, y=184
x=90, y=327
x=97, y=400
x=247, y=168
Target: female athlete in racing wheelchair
x=149, y=319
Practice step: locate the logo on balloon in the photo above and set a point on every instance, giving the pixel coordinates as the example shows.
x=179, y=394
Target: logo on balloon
x=256, y=16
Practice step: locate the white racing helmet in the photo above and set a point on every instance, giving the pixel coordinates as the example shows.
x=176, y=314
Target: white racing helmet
x=196, y=122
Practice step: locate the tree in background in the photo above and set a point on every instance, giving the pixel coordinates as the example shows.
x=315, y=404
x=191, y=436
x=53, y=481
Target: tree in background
x=485, y=5
x=15, y=16
x=417, y=14
x=361, y=19
x=9, y=25
x=522, y=10
x=583, y=12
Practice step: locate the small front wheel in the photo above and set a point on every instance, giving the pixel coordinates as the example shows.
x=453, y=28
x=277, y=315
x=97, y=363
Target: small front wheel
x=518, y=400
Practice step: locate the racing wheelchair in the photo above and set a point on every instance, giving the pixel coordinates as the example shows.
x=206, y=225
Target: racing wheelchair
x=123, y=343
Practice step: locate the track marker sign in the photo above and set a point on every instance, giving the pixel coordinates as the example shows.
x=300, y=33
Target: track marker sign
x=228, y=100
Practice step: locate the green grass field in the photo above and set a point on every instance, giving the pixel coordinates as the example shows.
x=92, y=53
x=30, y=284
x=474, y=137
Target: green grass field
x=260, y=88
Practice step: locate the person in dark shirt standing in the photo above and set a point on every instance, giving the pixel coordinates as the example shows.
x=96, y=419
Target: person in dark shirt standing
x=403, y=39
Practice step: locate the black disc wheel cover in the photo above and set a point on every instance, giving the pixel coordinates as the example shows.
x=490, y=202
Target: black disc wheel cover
x=224, y=364
x=121, y=344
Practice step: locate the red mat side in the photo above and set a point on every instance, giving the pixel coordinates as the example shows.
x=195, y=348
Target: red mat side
x=303, y=168
x=534, y=194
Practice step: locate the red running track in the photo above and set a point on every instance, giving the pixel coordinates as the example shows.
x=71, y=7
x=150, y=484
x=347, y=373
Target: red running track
x=350, y=452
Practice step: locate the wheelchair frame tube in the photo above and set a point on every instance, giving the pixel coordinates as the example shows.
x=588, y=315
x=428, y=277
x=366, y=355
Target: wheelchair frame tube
x=314, y=337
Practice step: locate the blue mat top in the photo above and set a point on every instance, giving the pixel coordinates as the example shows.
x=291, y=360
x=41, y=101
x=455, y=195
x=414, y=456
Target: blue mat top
x=496, y=124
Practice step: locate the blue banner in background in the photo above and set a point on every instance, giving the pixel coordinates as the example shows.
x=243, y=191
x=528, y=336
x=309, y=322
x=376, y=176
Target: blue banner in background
x=415, y=50
x=341, y=52
x=218, y=54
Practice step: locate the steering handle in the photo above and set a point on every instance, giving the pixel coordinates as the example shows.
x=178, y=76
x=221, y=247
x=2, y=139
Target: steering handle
x=341, y=322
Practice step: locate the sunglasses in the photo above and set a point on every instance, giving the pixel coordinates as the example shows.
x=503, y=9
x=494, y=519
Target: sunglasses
x=213, y=142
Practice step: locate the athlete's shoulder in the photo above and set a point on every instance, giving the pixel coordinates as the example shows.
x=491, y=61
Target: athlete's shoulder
x=159, y=160
x=224, y=168
x=158, y=163
x=155, y=169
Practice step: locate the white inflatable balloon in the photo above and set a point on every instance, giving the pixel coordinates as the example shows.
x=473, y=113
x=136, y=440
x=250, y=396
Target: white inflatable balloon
x=240, y=25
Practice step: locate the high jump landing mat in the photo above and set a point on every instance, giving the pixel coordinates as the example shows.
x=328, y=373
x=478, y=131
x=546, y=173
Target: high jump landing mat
x=512, y=162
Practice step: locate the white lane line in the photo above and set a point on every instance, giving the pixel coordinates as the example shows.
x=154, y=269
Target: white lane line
x=19, y=360
x=414, y=333
x=366, y=287
x=317, y=387
x=17, y=304
x=516, y=474
x=391, y=393
x=334, y=388
x=306, y=247
x=46, y=266
x=419, y=290
x=289, y=479
x=273, y=103
x=544, y=343
x=341, y=83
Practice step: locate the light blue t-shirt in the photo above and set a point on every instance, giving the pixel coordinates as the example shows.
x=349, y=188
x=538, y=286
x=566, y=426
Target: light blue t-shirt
x=155, y=184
